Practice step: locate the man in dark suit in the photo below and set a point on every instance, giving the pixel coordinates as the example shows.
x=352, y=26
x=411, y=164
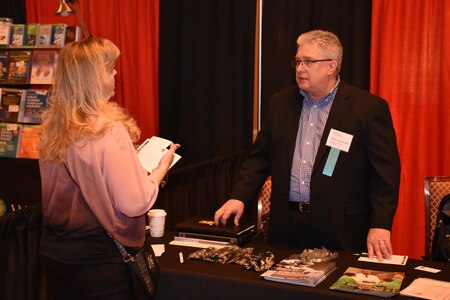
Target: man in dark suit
x=331, y=151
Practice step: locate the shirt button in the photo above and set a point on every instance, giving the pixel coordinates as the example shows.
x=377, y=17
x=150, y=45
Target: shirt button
x=311, y=124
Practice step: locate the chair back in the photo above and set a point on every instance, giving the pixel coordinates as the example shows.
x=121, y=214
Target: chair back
x=264, y=204
x=435, y=188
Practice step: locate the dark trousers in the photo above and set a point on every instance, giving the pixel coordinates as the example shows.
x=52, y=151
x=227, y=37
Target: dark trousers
x=110, y=281
x=303, y=232
x=300, y=231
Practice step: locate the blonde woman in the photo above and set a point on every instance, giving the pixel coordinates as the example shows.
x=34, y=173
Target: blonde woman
x=92, y=181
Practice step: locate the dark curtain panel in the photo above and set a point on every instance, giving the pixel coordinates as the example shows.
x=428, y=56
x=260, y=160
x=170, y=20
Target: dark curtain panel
x=20, y=182
x=206, y=63
x=14, y=9
x=285, y=20
x=206, y=76
x=200, y=189
x=19, y=263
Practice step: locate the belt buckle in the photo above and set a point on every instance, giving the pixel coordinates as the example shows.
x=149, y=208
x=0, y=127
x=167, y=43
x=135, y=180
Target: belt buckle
x=303, y=207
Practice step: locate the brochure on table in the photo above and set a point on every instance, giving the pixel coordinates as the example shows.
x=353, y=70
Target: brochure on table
x=293, y=270
x=370, y=282
x=427, y=288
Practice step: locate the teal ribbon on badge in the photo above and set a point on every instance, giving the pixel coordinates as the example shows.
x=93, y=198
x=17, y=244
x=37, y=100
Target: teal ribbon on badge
x=331, y=162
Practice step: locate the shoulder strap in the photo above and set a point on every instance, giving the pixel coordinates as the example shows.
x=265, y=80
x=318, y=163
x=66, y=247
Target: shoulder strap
x=125, y=255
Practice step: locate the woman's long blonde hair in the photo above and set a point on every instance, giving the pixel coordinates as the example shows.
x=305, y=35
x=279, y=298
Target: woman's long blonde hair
x=78, y=107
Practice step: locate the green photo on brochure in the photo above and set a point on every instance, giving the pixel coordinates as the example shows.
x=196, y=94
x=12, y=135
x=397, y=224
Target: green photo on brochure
x=371, y=282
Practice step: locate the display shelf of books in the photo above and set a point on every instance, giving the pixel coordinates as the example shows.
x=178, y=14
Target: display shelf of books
x=20, y=116
x=28, y=54
x=35, y=35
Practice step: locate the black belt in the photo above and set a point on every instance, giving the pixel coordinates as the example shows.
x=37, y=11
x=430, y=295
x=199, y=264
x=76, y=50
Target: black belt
x=302, y=207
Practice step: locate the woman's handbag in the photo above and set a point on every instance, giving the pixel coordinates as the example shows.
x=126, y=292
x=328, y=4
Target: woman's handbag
x=144, y=269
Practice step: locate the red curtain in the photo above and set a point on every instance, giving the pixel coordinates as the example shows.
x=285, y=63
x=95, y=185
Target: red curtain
x=134, y=27
x=410, y=67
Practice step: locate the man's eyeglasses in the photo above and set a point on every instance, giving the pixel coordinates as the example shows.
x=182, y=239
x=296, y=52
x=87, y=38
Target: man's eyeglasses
x=307, y=63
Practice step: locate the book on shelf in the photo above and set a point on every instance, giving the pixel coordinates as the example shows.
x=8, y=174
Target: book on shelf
x=42, y=66
x=34, y=102
x=45, y=35
x=152, y=150
x=29, y=142
x=4, y=65
x=18, y=35
x=59, y=35
x=10, y=101
x=19, y=66
x=9, y=139
x=73, y=34
x=370, y=282
x=293, y=270
x=5, y=31
x=32, y=30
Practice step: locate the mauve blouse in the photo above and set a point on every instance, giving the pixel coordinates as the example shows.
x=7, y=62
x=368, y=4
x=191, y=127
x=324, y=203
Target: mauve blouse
x=107, y=188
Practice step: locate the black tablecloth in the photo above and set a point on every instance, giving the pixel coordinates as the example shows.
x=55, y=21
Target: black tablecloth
x=196, y=279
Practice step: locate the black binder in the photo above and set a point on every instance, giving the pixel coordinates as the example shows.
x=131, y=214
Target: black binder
x=205, y=229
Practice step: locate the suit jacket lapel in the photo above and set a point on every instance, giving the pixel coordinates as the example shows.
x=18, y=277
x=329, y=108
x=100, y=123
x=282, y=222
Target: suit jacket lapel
x=337, y=114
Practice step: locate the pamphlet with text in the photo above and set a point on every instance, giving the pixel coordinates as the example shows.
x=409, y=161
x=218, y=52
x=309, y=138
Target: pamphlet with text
x=152, y=150
x=370, y=282
x=293, y=271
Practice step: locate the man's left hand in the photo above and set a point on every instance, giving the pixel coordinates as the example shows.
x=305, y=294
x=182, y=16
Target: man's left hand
x=379, y=243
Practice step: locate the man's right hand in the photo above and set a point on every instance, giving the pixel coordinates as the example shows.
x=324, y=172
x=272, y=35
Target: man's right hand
x=232, y=206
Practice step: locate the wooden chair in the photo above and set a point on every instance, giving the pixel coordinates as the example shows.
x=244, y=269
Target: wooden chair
x=264, y=206
x=435, y=188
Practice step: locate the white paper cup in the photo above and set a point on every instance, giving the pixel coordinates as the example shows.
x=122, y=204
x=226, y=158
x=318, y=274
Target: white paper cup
x=156, y=221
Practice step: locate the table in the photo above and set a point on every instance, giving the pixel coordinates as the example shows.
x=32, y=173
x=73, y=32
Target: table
x=196, y=279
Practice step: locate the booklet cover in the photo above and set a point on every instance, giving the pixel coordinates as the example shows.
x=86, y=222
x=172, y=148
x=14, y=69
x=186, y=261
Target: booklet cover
x=29, y=142
x=371, y=282
x=43, y=64
x=19, y=66
x=34, y=102
x=10, y=104
x=9, y=139
x=293, y=270
x=5, y=30
x=152, y=150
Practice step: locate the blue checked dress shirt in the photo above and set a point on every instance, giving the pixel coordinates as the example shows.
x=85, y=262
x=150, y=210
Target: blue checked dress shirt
x=312, y=123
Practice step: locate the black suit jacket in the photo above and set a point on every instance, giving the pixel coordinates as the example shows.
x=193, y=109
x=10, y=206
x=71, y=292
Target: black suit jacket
x=362, y=192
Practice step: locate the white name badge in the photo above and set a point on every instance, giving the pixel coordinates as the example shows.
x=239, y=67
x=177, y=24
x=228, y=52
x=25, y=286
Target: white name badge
x=339, y=140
